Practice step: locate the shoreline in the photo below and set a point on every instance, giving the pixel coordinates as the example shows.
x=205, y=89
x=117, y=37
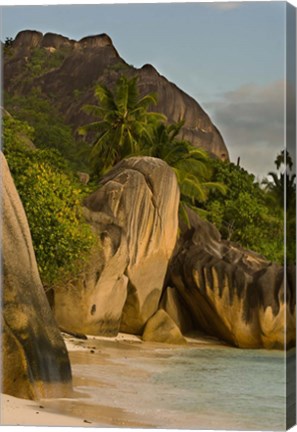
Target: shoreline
x=48, y=412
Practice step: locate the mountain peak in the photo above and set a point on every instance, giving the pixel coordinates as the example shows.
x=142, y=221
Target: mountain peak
x=33, y=39
x=69, y=77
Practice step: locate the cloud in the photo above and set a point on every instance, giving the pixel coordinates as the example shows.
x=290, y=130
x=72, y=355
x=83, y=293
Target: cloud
x=251, y=119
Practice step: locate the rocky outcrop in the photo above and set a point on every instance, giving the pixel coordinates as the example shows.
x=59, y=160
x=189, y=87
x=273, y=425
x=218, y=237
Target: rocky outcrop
x=34, y=357
x=135, y=213
x=161, y=328
x=176, y=105
x=93, y=303
x=176, y=308
x=33, y=39
x=232, y=293
x=94, y=59
x=28, y=39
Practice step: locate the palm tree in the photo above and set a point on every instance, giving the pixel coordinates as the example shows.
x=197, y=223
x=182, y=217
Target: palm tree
x=127, y=128
x=191, y=164
x=124, y=123
x=282, y=184
x=281, y=191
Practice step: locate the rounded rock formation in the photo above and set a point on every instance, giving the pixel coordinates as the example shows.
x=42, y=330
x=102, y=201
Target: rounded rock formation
x=28, y=39
x=135, y=213
x=52, y=40
x=34, y=357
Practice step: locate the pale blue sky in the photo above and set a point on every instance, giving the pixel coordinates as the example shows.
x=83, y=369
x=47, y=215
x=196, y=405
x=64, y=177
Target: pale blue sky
x=228, y=56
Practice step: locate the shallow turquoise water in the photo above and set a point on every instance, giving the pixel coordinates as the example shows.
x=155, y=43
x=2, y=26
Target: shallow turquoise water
x=210, y=387
x=247, y=385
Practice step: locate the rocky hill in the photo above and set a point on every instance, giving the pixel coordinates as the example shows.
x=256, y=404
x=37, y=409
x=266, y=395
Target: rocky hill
x=65, y=71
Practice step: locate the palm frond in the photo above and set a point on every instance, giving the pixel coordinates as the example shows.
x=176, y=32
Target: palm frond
x=105, y=97
x=122, y=95
x=94, y=110
x=220, y=187
x=193, y=189
x=100, y=126
x=183, y=214
x=196, y=167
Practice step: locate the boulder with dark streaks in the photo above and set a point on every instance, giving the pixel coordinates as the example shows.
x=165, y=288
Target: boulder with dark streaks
x=233, y=294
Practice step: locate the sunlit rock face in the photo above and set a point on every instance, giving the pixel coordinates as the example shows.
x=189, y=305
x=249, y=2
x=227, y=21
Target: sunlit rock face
x=198, y=128
x=233, y=294
x=92, y=303
x=135, y=214
x=94, y=59
x=34, y=357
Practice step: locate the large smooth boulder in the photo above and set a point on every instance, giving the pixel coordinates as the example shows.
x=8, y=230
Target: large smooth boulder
x=233, y=294
x=161, y=328
x=135, y=214
x=34, y=357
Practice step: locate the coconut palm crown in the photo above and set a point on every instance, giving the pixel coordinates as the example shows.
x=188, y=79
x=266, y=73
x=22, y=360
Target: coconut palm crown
x=124, y=123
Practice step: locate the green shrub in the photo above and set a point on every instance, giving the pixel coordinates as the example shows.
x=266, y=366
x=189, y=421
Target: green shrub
x=50, y=130
x=52, y=201
x=42, y=61
x=243, y=214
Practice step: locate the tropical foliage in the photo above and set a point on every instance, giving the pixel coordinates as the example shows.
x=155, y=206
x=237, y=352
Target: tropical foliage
x=247, y=214
x=192, y=165
x=280, y=187
x=52, y=201
x=50, y=131
x=124, y=123
x=126, y=128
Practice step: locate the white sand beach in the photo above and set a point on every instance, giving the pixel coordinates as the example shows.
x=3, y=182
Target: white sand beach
x=124, y=382
x=79, y=411
x=22, y=412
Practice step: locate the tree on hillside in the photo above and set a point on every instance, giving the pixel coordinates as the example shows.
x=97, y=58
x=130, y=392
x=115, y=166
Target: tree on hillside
x=283, y=182
x=124, y=123
x=244, y=215
x=126, y=128
x=281, y=190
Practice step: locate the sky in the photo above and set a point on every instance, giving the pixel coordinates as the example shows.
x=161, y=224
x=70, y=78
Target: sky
x=229, y=56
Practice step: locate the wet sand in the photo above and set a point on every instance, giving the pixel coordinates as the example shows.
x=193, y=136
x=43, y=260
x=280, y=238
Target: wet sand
x=110, y=377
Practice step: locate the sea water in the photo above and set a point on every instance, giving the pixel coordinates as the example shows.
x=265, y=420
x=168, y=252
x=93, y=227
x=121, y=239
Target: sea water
x=192, y=387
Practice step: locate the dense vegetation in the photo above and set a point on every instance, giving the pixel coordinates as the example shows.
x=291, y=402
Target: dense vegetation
x=52, y=200
x=50, y=129
x=244, y=214
x=225, y=194
x=123, y=125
